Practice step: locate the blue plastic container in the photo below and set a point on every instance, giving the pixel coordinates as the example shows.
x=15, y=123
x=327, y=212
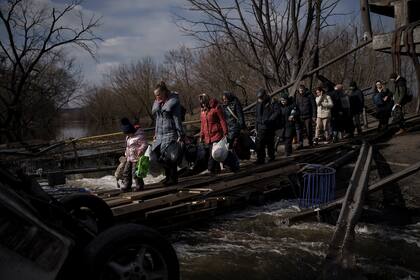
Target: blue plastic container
x=318, y=186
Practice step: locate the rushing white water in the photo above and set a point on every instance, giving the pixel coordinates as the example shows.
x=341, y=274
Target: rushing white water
x=252, y=244
x=107, y=182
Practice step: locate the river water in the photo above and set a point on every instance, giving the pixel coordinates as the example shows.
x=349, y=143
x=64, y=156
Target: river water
x=252, y=244
x=78, y=129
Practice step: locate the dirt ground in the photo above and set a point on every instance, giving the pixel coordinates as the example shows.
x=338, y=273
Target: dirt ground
x=396, y=154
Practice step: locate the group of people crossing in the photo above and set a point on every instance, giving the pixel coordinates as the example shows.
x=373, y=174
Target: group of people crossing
x=335, y=111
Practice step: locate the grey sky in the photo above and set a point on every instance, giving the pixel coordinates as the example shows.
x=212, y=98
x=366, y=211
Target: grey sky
x=132, y=29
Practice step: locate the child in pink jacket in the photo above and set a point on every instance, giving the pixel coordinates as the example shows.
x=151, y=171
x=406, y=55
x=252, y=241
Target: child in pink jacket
x=136, y=145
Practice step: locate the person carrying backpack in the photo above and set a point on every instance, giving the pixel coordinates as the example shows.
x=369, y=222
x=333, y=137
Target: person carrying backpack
x=401, y=97
x=234, y=115
x=266, y=117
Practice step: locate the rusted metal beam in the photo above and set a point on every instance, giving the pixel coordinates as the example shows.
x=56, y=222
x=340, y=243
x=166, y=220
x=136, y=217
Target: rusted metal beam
x=313, y=71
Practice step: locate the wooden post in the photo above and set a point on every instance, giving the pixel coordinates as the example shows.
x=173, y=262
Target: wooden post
x=400, y=13
x=367, y=26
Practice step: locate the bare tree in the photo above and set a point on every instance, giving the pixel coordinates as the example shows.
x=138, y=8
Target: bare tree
x=35, y=36
x=270, y=37
x=134, y=85
x=179, y=70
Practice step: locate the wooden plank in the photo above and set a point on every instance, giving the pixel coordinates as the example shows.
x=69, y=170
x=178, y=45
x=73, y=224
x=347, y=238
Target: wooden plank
x=394, y=177
x=161, y=201
x=148, y=193
x=118, y=201
x=216, y=188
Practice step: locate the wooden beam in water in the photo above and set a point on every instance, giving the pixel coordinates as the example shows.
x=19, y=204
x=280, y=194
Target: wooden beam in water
x=340, y=258
x=287, y=220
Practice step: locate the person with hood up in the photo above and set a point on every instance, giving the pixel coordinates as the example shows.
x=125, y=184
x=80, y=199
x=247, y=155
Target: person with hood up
x=382, y=99
x=168, y=130
x=136, y=145
x=398, y=86
x=213, y=129
x=357, y=104
x=289, y=114
x=305, y=102
x=267, y=115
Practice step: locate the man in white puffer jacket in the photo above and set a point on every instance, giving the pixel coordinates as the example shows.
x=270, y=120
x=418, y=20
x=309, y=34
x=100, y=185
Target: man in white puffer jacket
x=323, y=118
x=136, y=145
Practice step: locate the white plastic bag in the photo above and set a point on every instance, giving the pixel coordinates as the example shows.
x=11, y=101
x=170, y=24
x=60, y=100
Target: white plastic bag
x=220, y=151
x=148, y=151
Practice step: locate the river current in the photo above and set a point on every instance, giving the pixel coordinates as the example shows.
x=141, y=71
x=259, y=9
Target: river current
x=252, y=244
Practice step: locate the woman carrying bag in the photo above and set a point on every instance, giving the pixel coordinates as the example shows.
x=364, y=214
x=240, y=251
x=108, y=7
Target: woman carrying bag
x=169, y=133
x=213, y=130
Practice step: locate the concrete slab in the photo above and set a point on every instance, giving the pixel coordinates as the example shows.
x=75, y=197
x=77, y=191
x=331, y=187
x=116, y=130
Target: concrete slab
x=383, y=42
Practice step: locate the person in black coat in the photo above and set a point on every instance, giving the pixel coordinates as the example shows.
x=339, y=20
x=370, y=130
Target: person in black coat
x=267, y=115
x=345, y=119
x=341, y=113
x=398, y=86
x=238, y=136
x=305, y=102
x=289, y=115
x=234, y=116
x=357, y=104
x=382, y=99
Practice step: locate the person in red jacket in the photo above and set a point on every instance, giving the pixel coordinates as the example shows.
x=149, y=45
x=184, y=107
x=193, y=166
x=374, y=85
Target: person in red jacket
x=213, y=129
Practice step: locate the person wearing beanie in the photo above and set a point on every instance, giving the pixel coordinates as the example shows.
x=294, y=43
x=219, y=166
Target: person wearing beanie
x=357, y=105
x=398, y=87
x=136, y=145
x=266, y=122
x=305, y=102
x=235, y=120
x=289, y=115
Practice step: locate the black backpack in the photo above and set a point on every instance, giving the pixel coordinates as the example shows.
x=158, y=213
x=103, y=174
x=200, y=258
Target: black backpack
x=408, y=97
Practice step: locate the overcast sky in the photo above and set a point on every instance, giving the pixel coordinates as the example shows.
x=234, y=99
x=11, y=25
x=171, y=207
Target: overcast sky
x=132, y=29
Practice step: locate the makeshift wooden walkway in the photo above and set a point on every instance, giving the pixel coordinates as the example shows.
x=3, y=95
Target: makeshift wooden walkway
x=200, y=196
